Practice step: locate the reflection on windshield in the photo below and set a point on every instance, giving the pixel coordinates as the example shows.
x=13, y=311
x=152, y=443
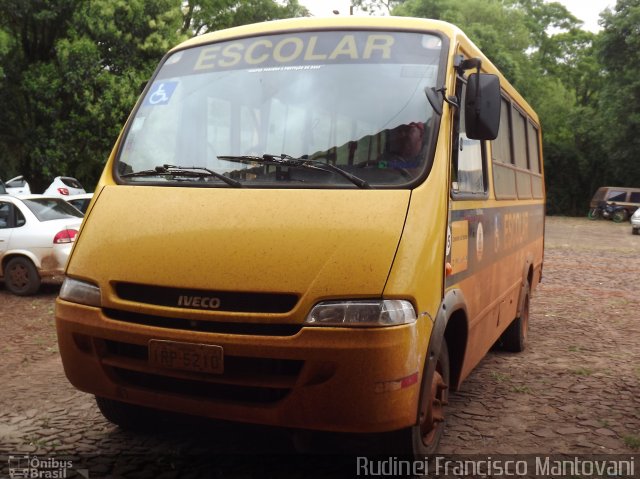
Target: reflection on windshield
x=357, y=105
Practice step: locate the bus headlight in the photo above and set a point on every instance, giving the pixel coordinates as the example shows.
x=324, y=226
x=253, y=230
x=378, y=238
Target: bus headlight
x=388, y=312
x=76, y=291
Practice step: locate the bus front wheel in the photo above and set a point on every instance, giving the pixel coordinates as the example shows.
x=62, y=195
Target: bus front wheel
x=425, y=436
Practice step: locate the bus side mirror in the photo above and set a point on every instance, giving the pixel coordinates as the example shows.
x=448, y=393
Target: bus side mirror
x=482, y=106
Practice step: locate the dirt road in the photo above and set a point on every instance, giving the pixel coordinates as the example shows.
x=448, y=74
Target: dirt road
x=576, y=389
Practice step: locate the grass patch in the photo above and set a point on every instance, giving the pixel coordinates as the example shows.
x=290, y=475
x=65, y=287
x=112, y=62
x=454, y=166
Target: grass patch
x=500, y=377
x=632, y=441
x=583, y=372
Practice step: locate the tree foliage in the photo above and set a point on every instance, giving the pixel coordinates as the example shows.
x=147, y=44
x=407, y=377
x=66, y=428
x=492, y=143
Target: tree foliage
x=71, y=70
x=619, y=53
x=584, y=86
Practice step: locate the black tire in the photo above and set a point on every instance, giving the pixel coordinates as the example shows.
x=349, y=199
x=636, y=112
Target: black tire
x=594, y=214
x=422, y=440
x=128, y=416
x=514, y=338
x=21, y=276
x=635, y=231
x=619, y=216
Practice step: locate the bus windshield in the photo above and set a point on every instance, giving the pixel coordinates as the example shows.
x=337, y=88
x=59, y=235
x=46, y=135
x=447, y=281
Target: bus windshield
x=274, y=110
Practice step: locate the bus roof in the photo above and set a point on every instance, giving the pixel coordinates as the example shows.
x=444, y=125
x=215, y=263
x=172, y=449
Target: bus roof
x=323, y=23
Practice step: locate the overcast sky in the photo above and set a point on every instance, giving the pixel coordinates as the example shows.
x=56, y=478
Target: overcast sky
x=586, y=10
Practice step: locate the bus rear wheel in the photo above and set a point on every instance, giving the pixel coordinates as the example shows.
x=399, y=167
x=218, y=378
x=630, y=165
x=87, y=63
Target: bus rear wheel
x=514, y=338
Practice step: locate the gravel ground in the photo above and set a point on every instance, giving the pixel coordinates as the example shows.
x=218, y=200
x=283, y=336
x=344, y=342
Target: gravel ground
x=575, y=390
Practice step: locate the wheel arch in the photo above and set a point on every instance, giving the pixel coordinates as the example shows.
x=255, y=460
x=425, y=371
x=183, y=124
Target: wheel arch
x=17, y=254
x=450, y=324
x=527, y=278
x=456, y=335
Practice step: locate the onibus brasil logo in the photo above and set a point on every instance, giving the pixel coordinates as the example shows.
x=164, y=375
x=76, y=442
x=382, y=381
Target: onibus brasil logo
x=25, y=466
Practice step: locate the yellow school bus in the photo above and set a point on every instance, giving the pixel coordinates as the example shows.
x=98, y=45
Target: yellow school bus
x=320, y=224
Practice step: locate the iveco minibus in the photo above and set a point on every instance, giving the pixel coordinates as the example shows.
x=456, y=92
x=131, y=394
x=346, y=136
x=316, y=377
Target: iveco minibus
x=320, y=224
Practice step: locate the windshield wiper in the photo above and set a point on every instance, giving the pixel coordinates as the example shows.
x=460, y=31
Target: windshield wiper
x=188, y=171
x=302, y=162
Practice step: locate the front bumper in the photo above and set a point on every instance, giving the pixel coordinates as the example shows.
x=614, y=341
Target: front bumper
x=333, y=379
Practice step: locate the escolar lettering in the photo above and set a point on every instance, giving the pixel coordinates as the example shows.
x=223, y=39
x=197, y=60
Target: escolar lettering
x=291, y=49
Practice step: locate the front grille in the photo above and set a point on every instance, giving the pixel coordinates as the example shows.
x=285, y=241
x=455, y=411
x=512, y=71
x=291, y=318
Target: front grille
x=192, y=388
x=224, y=300
x=257, y=329
x=245, y=379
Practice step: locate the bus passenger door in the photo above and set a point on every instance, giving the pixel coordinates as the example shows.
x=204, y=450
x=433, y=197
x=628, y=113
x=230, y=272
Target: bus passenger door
x=469, y=229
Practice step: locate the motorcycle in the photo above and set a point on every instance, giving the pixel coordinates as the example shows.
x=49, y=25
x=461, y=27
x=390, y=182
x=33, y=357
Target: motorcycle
x=608, y=211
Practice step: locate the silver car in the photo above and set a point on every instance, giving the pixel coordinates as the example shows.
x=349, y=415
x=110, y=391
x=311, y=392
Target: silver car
x=635, y=222
x=36, y=236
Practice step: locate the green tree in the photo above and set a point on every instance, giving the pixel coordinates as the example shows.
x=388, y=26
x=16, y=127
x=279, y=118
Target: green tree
x=201, y=16
x=542, y=50
x=619, y=49
x=73, y=69
x=375, y=7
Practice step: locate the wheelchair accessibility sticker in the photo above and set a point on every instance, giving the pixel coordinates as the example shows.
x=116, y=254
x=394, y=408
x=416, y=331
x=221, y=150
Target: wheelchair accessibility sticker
x=160, y=93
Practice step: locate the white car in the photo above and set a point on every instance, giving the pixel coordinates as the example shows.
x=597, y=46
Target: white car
x=36, y=236
x=80, y=201
x=18, y=186
x=64, y=186
x=635, y=222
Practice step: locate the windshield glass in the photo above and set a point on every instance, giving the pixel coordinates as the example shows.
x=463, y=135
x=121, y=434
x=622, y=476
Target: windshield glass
x=47, y=209
x=354, y=100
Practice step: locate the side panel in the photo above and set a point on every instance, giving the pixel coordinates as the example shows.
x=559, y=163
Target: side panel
x=495, y=234
x=492, y=248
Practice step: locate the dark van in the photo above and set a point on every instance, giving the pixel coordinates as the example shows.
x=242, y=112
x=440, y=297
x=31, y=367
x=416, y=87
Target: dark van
x=627, y=197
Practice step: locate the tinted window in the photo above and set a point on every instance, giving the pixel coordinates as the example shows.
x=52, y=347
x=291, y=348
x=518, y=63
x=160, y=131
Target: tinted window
x=634, y=197
x=10, y=216
x=19, y=182
x=47, y=209
x=71, y=182
x=520, y=139
x=616, y=195
x=3, y=190
x=19, y=217
x=5, y=210
x=534, y=152
x=80, y=204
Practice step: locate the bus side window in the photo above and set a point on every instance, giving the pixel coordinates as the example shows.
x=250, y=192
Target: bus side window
x=468, y=175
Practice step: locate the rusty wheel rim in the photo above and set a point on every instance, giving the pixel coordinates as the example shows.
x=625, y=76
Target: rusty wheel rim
x=19, y=276
x=433, y=417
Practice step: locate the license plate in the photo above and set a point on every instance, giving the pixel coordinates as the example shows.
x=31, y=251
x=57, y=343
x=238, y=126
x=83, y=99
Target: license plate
x=204, y=358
